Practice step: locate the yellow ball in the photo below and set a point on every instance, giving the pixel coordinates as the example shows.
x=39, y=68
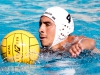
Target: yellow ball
x=20, y=46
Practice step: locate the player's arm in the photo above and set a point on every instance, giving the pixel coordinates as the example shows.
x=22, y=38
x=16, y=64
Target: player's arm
x=87, y=43
x=83, y=43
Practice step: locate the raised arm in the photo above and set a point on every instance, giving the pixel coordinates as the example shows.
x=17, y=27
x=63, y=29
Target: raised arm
x=83, y=43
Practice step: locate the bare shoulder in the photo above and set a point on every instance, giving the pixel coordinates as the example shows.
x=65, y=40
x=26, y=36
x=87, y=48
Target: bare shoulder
x=75, y=38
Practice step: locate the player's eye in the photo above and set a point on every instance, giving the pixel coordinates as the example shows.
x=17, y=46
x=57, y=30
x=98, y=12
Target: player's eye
x=47, y=24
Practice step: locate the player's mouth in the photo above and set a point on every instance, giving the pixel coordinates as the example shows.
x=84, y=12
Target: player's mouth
x=42, y=38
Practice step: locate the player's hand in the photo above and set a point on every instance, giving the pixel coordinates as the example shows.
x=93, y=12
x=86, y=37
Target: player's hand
x=75, y=49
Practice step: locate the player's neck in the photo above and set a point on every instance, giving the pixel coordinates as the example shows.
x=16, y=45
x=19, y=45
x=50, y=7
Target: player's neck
x=59, y=46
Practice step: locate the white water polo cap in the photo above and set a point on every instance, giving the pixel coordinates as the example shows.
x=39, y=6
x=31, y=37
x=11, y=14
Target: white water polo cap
x=63, y=21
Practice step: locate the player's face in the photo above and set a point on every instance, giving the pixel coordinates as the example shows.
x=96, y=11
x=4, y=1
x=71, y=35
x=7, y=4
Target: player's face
x=46, y=31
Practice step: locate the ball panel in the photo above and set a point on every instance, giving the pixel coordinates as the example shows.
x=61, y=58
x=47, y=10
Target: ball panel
x=25, y=50
x=24, y=33
x=9, y=46
x=33, y=40
x=4, y=41
x=17, y=47
x=34, y=52
x=4, y=47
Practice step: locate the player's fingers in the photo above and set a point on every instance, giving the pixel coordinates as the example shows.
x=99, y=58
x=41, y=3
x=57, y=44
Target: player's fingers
x=75, y=49
x=72, y=53
x=78, y=48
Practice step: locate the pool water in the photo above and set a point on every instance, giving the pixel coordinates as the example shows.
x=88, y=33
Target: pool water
x=24, y=14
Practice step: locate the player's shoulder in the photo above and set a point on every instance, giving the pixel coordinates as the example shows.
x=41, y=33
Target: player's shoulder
x=75, y=36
